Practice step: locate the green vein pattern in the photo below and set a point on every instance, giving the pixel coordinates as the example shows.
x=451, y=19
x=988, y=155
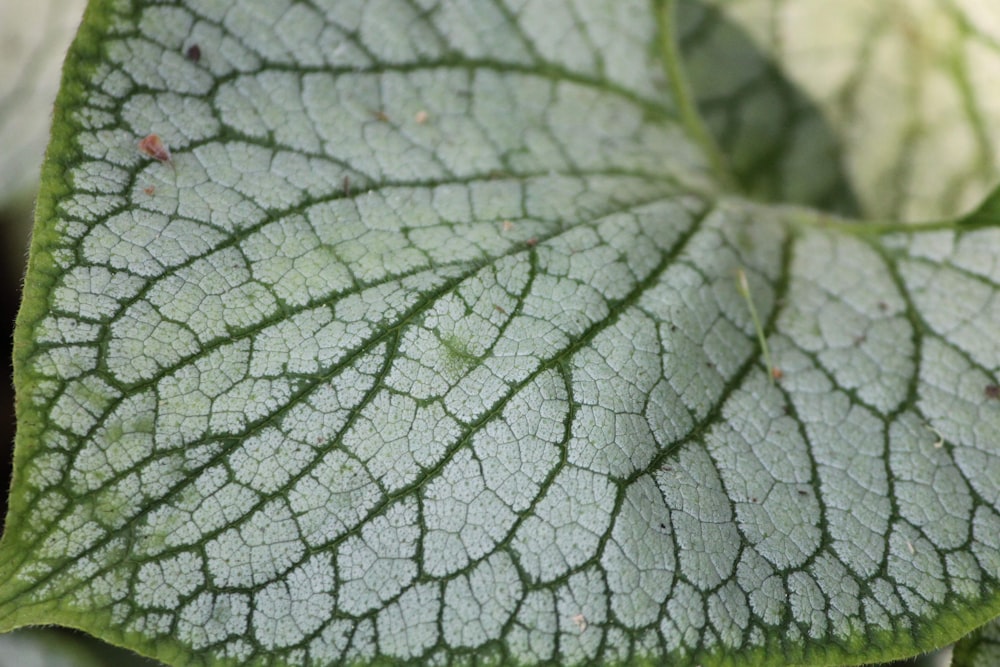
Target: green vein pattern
x=426, y=346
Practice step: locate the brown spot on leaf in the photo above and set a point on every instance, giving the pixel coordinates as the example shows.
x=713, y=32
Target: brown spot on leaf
x=152, y=146
x=193, y=53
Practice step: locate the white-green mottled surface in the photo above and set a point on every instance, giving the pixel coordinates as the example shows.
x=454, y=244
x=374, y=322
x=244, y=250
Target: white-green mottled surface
x=427, y=345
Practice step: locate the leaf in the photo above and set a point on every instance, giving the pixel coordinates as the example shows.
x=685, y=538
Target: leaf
x=52, y=647
x=424, y=342
x=899, y=93
x=980, y=649
x=34, y=648
x=34, y=36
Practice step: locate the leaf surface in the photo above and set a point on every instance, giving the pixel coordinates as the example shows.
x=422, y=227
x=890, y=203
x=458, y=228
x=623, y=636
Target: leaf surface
x=425, y=343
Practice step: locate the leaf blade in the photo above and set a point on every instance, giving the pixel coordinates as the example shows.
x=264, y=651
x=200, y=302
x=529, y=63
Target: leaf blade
x=324, y=417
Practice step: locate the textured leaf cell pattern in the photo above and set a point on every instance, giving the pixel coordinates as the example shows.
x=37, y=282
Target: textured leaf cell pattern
x=426, y=343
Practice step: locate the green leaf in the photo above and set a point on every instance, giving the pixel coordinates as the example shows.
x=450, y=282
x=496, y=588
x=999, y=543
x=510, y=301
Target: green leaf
x=425, y=343
x=980, y=649
x=900, y=94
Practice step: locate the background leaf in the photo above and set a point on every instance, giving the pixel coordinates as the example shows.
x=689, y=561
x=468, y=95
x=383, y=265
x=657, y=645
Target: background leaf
x=33, y=39
x=980, y=649
x=426, y=343
x=60, y=648
x=33, y=648
x=884, y=109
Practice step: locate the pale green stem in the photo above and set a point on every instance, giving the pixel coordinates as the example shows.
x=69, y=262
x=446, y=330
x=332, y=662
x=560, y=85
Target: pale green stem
x=744, y=288
x=687, y=108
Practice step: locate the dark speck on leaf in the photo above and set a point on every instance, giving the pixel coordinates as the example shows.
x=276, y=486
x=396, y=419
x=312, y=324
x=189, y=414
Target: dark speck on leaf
x=802, y=493
x=193, y=53
x=992, y=391
x=883, y=306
